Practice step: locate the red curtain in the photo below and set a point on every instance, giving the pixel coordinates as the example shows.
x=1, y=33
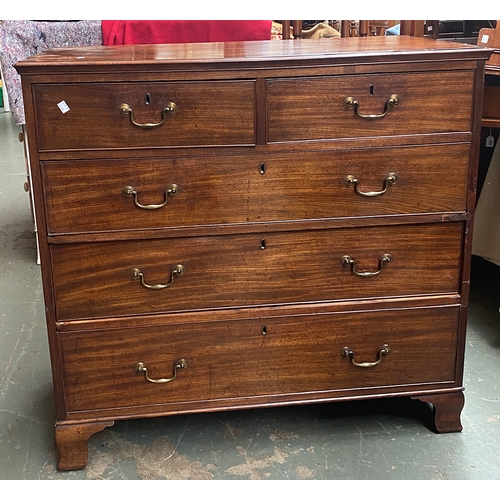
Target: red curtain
x=137, y=32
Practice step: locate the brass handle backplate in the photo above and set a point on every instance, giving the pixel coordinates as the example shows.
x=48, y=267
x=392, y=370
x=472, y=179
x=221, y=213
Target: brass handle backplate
x=352, y=181
x=351, y=103
x=347, y=352
x=169, y=109
x=172, y=190
x=346, y=260
x=137, y=274
x=140, y=367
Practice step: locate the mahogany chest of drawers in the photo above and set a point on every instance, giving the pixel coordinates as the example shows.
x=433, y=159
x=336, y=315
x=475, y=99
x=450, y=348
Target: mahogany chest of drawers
x=237, y=225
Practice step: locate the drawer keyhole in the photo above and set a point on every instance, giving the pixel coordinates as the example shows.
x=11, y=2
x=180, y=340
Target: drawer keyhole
x=147, y=99
x=262, y=168
x=371, y=90
x=263, y=244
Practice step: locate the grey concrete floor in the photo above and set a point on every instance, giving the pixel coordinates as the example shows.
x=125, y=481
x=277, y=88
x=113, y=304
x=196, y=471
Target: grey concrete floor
x=388, y=439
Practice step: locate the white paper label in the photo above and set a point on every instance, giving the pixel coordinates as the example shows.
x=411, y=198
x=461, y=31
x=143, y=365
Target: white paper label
x=63, y=107
x=490, y=141
x=485, y=38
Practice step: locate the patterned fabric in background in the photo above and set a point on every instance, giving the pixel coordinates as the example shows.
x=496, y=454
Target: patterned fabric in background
x=22, y=39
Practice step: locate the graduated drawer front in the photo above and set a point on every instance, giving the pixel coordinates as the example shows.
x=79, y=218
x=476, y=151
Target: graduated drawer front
x=208, y=113
x=314, y=108
x=96, y=279
x=252, y=188
x=234, y=359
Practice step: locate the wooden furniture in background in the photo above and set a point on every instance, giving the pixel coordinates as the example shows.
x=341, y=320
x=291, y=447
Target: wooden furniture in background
x=346, y=28
x=487, y=233
x=490, y=37
x=253, y=224
x=412, y=28
x=460, y=31
x=433, y=29
x=463, y=31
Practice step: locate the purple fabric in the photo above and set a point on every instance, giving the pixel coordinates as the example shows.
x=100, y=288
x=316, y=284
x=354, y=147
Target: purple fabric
x=22, y=39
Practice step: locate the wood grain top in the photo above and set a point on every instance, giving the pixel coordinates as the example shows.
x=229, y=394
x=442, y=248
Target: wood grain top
x=396, y=48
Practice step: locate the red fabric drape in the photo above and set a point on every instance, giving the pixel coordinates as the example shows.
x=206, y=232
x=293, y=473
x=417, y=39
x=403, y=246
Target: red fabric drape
x=137, y=32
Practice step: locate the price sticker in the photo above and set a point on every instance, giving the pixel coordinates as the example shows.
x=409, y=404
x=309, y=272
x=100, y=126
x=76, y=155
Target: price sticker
x=63, y=107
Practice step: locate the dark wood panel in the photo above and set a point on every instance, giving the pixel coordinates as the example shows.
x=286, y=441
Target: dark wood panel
x=208, y=114
x=491, y=107
x=433, y=102
x=235, y=359
x=88, y=196
x=94, y=280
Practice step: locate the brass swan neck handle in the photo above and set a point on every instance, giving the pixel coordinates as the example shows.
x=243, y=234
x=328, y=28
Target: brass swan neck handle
x=347, y=352
x=352, y=181
x=351, y=103
x=347, y=260
x=170, y=109
x=140, y=367
x=136, y=274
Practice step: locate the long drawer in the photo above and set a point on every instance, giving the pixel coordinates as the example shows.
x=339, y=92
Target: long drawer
x=281, y=355
x=427, y=103
x=91, y=115
x=178, y=274
x=107, y=195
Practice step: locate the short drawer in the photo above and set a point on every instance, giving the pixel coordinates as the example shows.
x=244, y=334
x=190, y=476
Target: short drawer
x=321, y=108
x=178, y=274
x=107, y=195
x=272, y=357
x=92, y=115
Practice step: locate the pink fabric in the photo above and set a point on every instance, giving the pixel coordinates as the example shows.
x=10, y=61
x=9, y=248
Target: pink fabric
x=137, y=32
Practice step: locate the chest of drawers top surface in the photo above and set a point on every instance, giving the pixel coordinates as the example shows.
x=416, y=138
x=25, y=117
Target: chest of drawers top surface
x=252, y=54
